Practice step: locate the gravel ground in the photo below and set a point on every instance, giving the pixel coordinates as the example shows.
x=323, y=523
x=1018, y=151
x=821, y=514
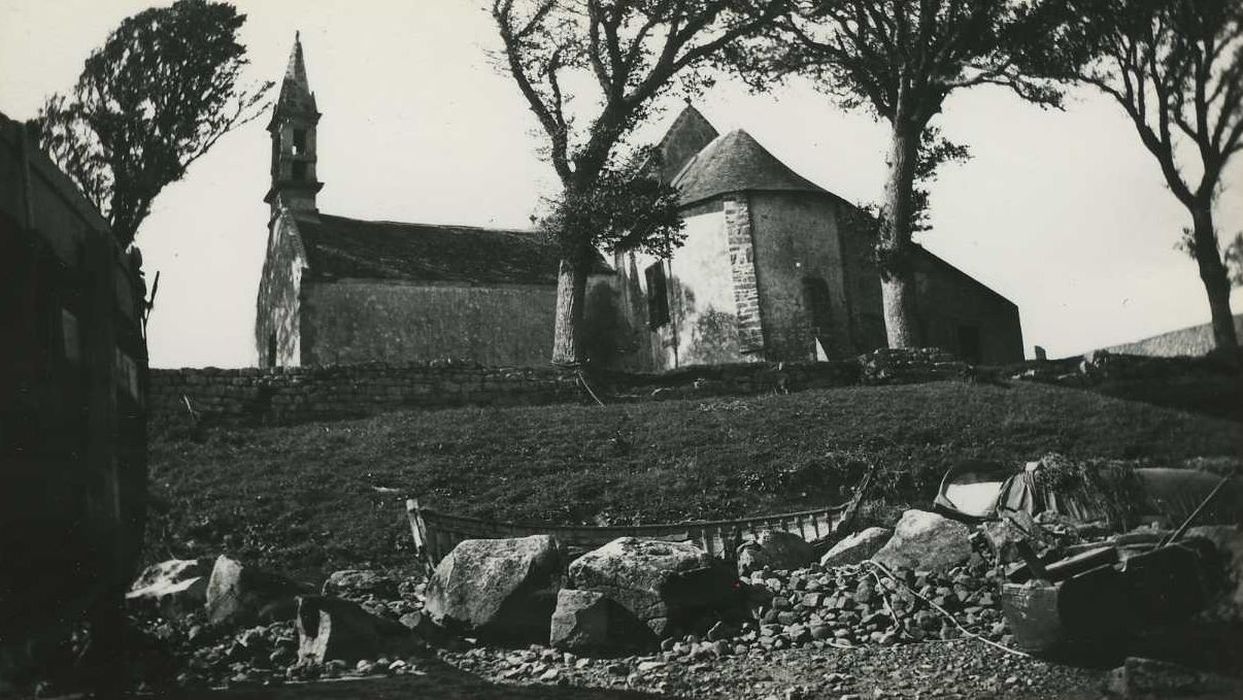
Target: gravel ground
x=955, y=669
x=952, y=669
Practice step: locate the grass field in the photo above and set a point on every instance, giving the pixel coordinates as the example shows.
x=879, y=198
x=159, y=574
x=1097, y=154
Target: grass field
x=312, y=498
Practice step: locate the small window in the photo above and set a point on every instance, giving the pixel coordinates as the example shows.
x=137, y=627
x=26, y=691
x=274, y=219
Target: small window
x=299, y=141
x=657, y=295
x=299, y=170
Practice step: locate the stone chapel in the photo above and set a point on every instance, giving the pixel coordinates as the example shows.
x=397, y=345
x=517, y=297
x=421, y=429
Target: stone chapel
x=771, y=270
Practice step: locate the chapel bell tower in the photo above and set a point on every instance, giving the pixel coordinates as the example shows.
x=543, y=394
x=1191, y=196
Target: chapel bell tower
x=294, y=182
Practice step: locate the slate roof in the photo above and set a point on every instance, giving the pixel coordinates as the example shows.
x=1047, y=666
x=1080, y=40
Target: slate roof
x=338, y=247
x=736, y=162
x=688, y=135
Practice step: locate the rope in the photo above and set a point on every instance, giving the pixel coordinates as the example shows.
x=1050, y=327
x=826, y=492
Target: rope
x=945, y=613
x=582, y=380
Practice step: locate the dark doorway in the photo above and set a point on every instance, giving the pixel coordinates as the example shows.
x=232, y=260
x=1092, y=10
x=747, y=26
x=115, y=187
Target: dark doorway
x=819, y=313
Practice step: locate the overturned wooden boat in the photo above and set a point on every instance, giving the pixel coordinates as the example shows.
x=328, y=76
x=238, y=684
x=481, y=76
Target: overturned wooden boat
x=436, y=533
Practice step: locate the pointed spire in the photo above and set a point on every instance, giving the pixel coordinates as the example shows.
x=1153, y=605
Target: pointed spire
x=292, y=128
x=295, y=95
x=296, y=71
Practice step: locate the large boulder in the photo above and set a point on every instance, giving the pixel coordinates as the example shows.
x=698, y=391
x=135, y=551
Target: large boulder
x=239, y=594
x=857, y=547
x=331, y=628
x=588, y=621
x=500, y=590
x=669, y=586
x=776, y=550
x=173, y=588
x=926, y=541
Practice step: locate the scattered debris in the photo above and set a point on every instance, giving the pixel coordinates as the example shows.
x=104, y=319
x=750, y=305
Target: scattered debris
x=1145, y=678
x=172, y=588
x=774, y=549
x=1009, y=582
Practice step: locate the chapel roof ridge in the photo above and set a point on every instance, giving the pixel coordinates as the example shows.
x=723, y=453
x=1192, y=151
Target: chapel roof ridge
x=432, y=224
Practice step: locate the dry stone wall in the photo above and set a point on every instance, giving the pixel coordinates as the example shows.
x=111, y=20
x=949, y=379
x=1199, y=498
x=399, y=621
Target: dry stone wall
x=296, y=394
x=283, y=395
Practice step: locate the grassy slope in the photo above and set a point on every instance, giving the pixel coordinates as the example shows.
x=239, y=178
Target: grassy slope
x=302, y=498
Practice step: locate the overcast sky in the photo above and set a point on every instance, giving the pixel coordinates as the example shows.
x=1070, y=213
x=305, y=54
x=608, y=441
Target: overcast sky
x=1062, y=212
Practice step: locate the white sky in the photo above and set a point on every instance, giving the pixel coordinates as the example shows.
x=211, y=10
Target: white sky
x=1065, y=213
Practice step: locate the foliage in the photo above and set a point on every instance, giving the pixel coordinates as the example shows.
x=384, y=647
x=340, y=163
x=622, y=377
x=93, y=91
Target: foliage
x=160, y=92
x=626, y=54
x=900, y=59
x=936, y=151
x=1176, y=67
x=631, y=51
x=627, y=208
x=1231, y=254
x=1233, y=257
x=312, y=497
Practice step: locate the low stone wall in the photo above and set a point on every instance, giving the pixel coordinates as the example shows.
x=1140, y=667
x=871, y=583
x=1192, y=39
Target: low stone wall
x=1103, y=366
x=290, y=395
x=293, y=395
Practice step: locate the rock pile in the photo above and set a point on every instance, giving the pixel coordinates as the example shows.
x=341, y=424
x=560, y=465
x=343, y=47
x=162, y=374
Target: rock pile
x=858, y=605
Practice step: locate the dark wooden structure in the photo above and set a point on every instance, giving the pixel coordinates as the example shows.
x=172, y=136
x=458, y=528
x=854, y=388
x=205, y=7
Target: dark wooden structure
x=73, y=366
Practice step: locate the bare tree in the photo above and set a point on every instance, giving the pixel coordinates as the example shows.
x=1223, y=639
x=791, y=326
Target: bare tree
x=1176, y=68
x=159, y=93
x=901, y=59
x=629, y=52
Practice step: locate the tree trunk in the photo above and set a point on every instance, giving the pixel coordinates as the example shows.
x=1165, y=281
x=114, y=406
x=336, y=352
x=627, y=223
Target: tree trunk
x=571, y=291
x=1214, y=275
x=893, y=248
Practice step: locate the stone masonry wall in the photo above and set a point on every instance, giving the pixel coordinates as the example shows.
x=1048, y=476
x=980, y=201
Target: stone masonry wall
x=298, y=394
x=742, y=264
